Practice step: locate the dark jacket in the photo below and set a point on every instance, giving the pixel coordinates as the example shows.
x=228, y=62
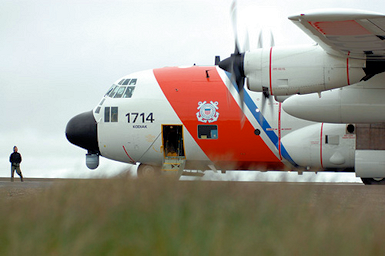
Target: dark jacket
x=15, y=158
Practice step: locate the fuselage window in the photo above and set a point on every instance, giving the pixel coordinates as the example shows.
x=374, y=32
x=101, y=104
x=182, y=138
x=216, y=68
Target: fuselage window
x=114, y=114
x=120, y=92
x=207, y=131
x=106, y=114
x=126, y=82
x=110, y=114
x=128, y=92
x=133, y=81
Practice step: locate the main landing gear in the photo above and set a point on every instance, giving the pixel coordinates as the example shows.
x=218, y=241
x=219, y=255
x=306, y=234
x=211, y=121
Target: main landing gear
x=146, y=170
x=373, y=181
x=168, y=169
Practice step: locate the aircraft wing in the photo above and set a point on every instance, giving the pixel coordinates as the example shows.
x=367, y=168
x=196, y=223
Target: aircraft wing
x=345, y=32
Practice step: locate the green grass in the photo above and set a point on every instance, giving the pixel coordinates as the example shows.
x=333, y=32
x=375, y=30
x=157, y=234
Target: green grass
x=165, y=217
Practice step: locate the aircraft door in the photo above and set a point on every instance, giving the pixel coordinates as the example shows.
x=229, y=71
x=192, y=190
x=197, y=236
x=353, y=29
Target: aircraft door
x=173, y=144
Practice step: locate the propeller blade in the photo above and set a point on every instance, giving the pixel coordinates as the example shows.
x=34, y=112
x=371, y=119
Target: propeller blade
x=272, y=44
x=265, y=92
x=265, y=96
x=266, y=99
x=234, y=22
x=260, y=39
x=271, y=101
x=246, y=45
x=262, y=108
x=242, y=103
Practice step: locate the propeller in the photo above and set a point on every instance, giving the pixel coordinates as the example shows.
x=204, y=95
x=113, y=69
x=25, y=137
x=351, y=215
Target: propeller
x=235, y=63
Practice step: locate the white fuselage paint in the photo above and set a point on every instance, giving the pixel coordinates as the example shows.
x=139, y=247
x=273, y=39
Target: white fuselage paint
x=140, y=141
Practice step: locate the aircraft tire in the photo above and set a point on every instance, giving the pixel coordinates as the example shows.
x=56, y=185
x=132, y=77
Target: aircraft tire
x=372, y=181
x=146, y=170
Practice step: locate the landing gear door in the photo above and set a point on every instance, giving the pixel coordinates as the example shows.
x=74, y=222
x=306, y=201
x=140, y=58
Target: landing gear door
x=173, y=144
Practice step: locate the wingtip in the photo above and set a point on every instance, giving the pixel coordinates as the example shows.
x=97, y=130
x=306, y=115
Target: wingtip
x=334, y=14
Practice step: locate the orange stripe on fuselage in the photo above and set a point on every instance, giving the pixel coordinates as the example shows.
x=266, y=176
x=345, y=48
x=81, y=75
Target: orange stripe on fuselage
x=236, y=147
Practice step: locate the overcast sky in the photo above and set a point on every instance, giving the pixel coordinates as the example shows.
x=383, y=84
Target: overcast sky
x=58, y=58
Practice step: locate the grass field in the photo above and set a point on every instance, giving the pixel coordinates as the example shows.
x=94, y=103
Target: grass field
x=166, y=217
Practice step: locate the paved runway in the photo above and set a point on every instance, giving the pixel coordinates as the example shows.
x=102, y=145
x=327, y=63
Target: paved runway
x=44, y=183
x=28, y=183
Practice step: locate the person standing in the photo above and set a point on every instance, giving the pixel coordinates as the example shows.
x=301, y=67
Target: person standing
x=15, y=160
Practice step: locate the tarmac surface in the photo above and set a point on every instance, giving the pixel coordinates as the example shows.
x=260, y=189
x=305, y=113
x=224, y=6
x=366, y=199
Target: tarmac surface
x=28, y=183
x=48, y=182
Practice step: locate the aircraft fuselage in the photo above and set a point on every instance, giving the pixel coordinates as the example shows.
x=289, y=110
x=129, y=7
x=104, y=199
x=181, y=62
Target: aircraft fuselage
x=195, y=113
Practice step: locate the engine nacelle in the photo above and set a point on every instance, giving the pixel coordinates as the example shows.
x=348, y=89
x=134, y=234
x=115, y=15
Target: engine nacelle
x=370, y=163
x=356, y=104
x=299, y=70
x=321, y=146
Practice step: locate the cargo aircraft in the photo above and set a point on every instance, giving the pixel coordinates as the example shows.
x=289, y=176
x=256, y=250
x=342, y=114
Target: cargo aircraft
x=301, y=108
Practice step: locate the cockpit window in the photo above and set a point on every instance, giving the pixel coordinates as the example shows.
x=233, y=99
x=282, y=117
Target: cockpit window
x=120, y=91
x=112, y=93
x=110, y=90
x=128, y=92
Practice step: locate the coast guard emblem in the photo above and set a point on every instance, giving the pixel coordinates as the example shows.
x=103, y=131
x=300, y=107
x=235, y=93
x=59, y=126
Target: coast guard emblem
x=207, y=111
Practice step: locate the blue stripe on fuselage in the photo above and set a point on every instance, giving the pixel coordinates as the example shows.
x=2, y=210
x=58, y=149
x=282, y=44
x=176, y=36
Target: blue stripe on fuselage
x=262, y=122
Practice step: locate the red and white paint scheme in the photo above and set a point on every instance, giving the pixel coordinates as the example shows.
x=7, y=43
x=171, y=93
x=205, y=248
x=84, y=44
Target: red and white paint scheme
x=175, y=119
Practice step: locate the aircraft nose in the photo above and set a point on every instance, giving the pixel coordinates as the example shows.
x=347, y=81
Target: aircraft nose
x=81, y=131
